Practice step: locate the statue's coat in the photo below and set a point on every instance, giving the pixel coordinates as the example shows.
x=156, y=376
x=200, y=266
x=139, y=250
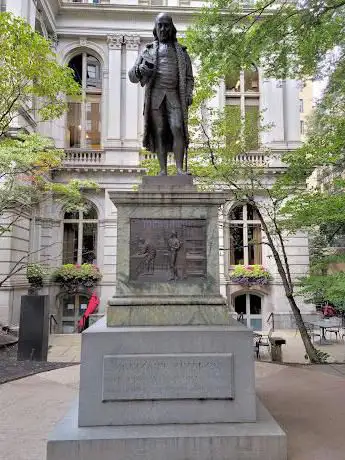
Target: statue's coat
x=186, y=83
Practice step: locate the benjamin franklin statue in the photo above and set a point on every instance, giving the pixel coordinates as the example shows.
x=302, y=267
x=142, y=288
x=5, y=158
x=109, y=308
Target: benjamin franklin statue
x=164, y=67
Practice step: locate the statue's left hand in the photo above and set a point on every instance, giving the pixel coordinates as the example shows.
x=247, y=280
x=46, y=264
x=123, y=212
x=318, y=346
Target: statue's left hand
x=189, y=100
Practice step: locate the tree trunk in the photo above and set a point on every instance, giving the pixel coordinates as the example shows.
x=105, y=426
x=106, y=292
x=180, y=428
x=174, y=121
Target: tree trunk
x=309, y=347
x=288, y=288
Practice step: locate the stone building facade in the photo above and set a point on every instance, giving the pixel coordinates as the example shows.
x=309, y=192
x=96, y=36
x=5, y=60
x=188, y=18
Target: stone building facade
x=101, y=134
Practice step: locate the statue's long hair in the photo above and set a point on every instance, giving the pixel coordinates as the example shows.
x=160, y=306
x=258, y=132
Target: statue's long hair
x=173, y=32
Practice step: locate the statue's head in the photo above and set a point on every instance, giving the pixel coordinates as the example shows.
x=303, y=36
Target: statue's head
x=164, y=30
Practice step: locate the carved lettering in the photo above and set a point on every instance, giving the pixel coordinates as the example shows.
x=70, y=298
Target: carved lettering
x=154, y=377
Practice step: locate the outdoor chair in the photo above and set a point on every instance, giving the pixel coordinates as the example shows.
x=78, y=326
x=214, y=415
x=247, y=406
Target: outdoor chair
x=312, y=331
x=336, y=330
x=261, y=340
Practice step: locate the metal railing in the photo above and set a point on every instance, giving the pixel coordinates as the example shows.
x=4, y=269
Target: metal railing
x=52, y=320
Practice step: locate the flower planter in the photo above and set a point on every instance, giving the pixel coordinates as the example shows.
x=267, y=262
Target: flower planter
x=76, y=278
x=250, y=275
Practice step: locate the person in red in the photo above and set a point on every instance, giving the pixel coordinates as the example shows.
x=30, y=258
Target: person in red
x=328, y=311
x=91, y=308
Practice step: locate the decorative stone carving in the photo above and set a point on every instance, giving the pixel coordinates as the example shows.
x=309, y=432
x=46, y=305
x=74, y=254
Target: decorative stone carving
x=54, y=40
x=132, y=42
x=83, y=41
x=115, y=41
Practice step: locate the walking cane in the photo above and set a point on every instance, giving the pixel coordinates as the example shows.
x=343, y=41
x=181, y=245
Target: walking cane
x=186, y=160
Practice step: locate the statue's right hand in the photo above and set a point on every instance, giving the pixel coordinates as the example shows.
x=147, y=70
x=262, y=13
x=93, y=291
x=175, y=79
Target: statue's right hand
x=145, y=71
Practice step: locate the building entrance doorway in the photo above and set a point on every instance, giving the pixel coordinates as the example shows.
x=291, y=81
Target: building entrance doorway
x=73, y=307
x=249, y=305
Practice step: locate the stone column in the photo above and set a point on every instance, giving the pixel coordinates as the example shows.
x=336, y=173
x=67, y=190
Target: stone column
x=114, y=90
x=131, y=93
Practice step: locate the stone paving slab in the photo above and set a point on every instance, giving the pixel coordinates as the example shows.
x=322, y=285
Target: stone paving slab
x=309, y=405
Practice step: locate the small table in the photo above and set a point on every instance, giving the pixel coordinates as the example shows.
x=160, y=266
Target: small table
x=324, y=324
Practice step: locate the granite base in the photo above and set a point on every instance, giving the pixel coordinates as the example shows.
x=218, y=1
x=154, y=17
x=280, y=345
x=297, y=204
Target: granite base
x=166, y=375
x=262, y=440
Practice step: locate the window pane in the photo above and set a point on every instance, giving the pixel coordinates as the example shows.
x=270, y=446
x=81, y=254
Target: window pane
x=232, y=82
x=251, y=80
x=89, y=243
x=90, y=213
x=233, y=125
x=236, y=213
x=68, y=303
x=256, y=324
x=76, y=64
x=82, y=302
x=74, y=124
x=251, y=213
x=236, y=244
x=240, y=304
x=301, y=106
x=255, y=304
x=251, y=128
x=93, y=73
x=93, y=125
x=254, y=244
x=70, y=243
x=71, y=215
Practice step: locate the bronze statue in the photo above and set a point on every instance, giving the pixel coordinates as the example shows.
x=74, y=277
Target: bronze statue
x=164, y=67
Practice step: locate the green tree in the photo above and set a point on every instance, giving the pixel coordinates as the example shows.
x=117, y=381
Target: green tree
x=287, y=40
x=32, y=84
x=31, y=79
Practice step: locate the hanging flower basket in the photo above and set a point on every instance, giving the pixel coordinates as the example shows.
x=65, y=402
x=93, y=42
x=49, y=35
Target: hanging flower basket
x=248, y=275
x=75, y=278
x=35, y=274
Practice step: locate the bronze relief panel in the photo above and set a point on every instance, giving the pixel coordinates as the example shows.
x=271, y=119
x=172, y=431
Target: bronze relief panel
x=167, y=249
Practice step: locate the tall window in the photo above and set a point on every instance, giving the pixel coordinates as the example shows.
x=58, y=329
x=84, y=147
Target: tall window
x=301, y=127
x=249, y=305
x=2, y=6
x=242, y=100
x=245, y=236
x=301, y=105
x=84, y=112
x=80, y=237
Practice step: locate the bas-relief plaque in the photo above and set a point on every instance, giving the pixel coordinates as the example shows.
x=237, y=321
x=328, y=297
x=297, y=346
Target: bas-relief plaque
x=167, y=249
x=161, y=377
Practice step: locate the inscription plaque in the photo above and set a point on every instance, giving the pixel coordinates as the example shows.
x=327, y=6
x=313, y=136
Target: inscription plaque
x=178, y=376
x=167, y=249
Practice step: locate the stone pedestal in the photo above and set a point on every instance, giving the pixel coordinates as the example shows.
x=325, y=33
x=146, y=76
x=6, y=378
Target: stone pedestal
x=168, y=374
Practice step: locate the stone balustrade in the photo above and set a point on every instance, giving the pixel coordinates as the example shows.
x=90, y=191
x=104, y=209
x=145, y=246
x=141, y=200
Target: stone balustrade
x=256, y=158
x=153, y=3
x=83, y=157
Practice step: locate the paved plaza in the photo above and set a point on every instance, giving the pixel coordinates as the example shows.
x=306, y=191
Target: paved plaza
x=307, y=401
x=66, y=348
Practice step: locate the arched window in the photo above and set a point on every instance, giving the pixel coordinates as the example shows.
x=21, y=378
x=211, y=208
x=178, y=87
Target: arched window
x=84, y=111
x=80, y=237
x=245, y=236
x=249, y=305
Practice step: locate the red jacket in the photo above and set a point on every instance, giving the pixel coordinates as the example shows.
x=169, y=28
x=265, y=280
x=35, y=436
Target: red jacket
x=91, y=308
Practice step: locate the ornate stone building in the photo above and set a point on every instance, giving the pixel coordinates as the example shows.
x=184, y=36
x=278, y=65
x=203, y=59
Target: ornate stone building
x=101, y=134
